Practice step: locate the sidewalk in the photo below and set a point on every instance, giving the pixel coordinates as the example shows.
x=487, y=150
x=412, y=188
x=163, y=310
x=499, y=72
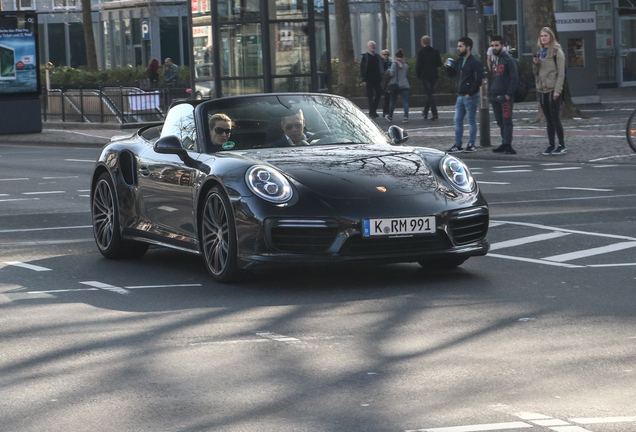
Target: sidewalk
x=591, y=139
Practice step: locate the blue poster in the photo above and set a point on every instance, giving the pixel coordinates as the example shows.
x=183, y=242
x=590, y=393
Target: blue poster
x=18, y=53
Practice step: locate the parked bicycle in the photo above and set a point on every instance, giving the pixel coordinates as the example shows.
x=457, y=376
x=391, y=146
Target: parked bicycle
x=631, y=131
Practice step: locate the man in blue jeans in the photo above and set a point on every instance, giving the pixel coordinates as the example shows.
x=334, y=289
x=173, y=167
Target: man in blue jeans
x=468, y=71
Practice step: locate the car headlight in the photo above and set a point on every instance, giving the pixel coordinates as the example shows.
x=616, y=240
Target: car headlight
x=269, y=184
x=457, y=173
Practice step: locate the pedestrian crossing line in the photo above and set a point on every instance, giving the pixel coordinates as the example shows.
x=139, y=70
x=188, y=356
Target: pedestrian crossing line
x=106, y=287
x=27, y=266
x=597, y=420
x=534, y=261
x=527, y=240
x=566, y=230
x=591, y=252
x=477, y=428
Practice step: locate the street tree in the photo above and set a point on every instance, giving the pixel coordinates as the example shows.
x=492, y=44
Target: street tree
x=347, y=69
x=89, y=37
x=538, y=14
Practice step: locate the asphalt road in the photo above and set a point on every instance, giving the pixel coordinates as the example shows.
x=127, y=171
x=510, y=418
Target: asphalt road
x=539, y=335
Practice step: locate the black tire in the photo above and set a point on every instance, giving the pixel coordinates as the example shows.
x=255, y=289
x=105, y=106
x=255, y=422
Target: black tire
x=631, y=131
x=218, y=236
x=106, y=223
x=442, y=263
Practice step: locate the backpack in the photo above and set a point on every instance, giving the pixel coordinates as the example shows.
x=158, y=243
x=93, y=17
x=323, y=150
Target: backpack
x=521, y=92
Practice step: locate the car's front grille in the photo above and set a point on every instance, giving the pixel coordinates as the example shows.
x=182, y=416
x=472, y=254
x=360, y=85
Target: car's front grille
x=467, y=226
x=302, y=236
x=356, y=245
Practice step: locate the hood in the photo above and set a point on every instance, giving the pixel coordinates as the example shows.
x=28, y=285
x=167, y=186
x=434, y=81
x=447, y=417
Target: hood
x=356, y=171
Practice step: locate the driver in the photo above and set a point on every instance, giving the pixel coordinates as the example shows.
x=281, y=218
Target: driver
x=294, y=131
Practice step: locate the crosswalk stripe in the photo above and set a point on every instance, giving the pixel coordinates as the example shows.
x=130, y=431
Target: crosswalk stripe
x=27, y=266
x=106, y=287
x=591, y=252
x=527, y=240
x=477, y=428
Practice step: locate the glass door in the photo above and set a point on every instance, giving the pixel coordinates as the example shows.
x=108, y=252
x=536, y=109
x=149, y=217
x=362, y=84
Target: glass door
x=628, y=51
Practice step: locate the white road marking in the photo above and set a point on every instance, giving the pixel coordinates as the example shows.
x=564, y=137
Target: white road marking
x=44, y=229
x=277, y=337
x=534, y=261
x=551, y=422
x=493, y=183
x=552, y=163
x=612, y=265
x=63, y=290
x=551, y=228
x=562, y=169
x=591, y=252
x=526, y=240
x=61, y=177
x=597, y=420
x=80, y=160
x=532, y=416
x=566, y=199
x=83, y=190
x=605, y=166
x=511, y=171
x=610, y=157
x=4, y=194
x=512, y=166
x=27, y=266
x=42, y=193
x=19, y=199
x=569, y=429
x=106, y=287
x=163, y=286
x=477, y=428
x=44, y=243
x=585, y=189
x=14, y=179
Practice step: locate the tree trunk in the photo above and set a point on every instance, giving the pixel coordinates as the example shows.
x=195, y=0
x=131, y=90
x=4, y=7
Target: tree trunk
x=89, y=37
x=538, y=14
x=347, y=70
x=384, y=43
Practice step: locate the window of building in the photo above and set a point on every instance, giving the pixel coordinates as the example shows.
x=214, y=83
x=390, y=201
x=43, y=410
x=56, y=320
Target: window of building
x=508, y=10
x=510, y=37
x=291, y=9
x=241, y=50
x=604, y=24
x=456, y=28
x=571, y=5
x=290, y=55
x=237, y=10
x=57, y=46
x=27, y=4
x=64, y=4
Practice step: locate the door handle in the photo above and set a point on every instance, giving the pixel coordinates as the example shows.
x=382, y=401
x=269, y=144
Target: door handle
x=144, y=171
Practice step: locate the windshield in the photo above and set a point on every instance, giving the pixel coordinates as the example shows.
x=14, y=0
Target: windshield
x=264, y=121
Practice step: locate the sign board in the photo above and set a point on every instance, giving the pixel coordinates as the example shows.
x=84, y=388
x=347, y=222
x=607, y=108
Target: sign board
x=145, y=29
x=575, y=21
x=19, y=74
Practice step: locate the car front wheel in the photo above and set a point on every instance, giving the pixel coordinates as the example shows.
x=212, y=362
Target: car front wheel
x=218, y=236
x=106, y=223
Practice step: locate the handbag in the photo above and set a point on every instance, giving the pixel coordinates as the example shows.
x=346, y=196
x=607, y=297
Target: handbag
x=393, y=88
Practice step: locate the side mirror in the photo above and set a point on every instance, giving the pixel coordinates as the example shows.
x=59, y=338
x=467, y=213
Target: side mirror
x=170, y=145
x=398, y=135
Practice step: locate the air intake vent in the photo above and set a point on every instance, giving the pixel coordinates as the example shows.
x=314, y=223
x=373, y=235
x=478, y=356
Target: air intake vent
x=301, y=236
x=468, y=226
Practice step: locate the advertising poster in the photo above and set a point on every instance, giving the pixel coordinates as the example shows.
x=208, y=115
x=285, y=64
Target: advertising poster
x=18, y=54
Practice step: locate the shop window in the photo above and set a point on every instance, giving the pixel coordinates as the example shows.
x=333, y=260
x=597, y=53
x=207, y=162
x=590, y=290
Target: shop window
x=290, y=55
x=203, y=53
x=241, y=50
x=604, y=25
x=292, y=9
x=508, y=10
x=57, y=46
x=237, y=10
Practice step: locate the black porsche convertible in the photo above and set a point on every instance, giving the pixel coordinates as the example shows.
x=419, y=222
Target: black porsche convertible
x=336, y=189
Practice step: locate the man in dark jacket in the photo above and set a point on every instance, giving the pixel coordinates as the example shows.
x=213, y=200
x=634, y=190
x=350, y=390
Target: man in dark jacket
x=502, y=92
x=468, y=71
x=371, y=71
x=428, y=60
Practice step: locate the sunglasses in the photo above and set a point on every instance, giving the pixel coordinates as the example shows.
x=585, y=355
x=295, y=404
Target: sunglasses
x=220, y=131
x=385, y=54
x=290, y=126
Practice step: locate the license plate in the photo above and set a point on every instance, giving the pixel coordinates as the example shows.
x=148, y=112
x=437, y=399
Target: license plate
x=398, y=227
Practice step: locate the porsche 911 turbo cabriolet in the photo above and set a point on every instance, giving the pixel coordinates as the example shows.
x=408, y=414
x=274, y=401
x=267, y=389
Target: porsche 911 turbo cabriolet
x=284, y=179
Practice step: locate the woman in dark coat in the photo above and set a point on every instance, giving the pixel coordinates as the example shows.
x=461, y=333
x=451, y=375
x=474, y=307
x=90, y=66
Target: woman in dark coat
x=153, y=72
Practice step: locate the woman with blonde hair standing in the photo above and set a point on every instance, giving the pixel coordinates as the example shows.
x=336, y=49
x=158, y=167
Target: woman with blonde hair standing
x=549, y=72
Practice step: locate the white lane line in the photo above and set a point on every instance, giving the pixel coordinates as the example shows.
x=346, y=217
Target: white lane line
x=585, y=189
x=552, y=163
x=83, y=190
x=596, y=420
x=551, y=422
x=106, y=287
x=493, y=183
x=477, y=428
x=591, y=252
x=531, y=416
x=62, y=290
x=64, y=177
x=27, y=266
x=551, y=228
x=163, y=286
x=4, y=194
x=610, y=157
x=612, y=265
x=14, y=179
x=46, y=243
x=569, y=429
x=19, y=199
x=565, y=199
x=562, y=169
x=42, y=193
x=534, y=261
x=605, y=166
x=511, y=166
x=277, y=337
x=44, y=229
x=511, y=171
x=527, y=240
x=80, y=160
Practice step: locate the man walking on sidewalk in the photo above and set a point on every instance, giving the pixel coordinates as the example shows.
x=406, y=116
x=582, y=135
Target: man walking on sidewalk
x=468, y=71
x=371, y=72
x=502, y=91
x=428, y=60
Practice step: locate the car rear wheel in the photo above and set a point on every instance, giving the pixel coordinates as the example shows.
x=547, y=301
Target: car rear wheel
x=218, y=236
x=106, y=223
x=442, y=263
